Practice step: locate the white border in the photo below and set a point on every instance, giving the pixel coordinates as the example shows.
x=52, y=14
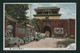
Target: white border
x=36, y=48
x=3, y=26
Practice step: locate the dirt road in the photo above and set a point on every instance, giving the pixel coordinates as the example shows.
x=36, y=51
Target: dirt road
x=43, y=43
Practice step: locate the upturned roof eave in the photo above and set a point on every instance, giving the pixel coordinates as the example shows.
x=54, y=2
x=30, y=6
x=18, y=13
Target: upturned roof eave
x=10, y=18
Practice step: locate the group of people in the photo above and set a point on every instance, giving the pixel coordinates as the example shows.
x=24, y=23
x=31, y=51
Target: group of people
x=27, y=38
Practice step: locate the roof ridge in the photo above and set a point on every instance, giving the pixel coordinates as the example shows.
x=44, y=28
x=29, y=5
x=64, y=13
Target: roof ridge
x=55, y=7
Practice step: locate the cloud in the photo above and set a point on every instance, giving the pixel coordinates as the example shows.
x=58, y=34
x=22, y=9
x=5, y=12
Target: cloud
x=67, y=11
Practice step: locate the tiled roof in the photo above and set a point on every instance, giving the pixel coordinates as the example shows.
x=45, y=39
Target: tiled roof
x=47, y=8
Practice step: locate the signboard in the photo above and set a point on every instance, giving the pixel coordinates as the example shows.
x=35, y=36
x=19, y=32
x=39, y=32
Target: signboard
x=58, y=30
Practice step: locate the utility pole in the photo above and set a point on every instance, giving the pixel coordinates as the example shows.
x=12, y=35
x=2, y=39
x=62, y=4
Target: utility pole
x=30, y=11
x=30, y=6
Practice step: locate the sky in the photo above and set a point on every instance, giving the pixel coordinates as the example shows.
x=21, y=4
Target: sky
x=68, y=10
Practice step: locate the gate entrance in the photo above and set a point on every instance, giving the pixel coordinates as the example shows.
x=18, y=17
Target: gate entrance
x=47, y=31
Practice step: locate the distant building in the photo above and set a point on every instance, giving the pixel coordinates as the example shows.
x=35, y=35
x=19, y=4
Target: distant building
x=51, y=23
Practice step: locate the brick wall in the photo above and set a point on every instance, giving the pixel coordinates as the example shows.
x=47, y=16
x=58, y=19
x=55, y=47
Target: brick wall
x=67, y=25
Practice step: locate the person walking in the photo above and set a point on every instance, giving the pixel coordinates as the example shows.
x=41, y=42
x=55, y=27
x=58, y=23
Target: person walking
x=18, y=43
x=24, y=38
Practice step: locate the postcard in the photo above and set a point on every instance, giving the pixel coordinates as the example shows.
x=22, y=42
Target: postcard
x=39, y=26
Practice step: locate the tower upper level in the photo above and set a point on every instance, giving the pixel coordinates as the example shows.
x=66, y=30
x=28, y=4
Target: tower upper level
x=43, y=12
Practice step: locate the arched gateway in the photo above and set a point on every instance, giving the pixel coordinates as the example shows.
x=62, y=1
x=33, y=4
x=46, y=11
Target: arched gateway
x=47, y=31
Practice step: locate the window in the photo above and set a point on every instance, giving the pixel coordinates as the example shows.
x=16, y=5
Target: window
x=45, y=12
x=54, y=12
x=20, y=30
x=39, y=12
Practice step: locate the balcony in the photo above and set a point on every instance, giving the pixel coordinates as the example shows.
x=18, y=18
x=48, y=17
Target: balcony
x=47, y=15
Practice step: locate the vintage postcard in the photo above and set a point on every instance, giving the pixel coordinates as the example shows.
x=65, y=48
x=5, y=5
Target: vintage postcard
x=39, y=26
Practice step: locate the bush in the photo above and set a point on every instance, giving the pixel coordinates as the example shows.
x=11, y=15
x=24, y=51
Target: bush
x=72, y=36
x=66, y=42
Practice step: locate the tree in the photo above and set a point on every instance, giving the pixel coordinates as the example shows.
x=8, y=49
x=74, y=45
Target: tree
x=35, y=23
x=17, y=11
